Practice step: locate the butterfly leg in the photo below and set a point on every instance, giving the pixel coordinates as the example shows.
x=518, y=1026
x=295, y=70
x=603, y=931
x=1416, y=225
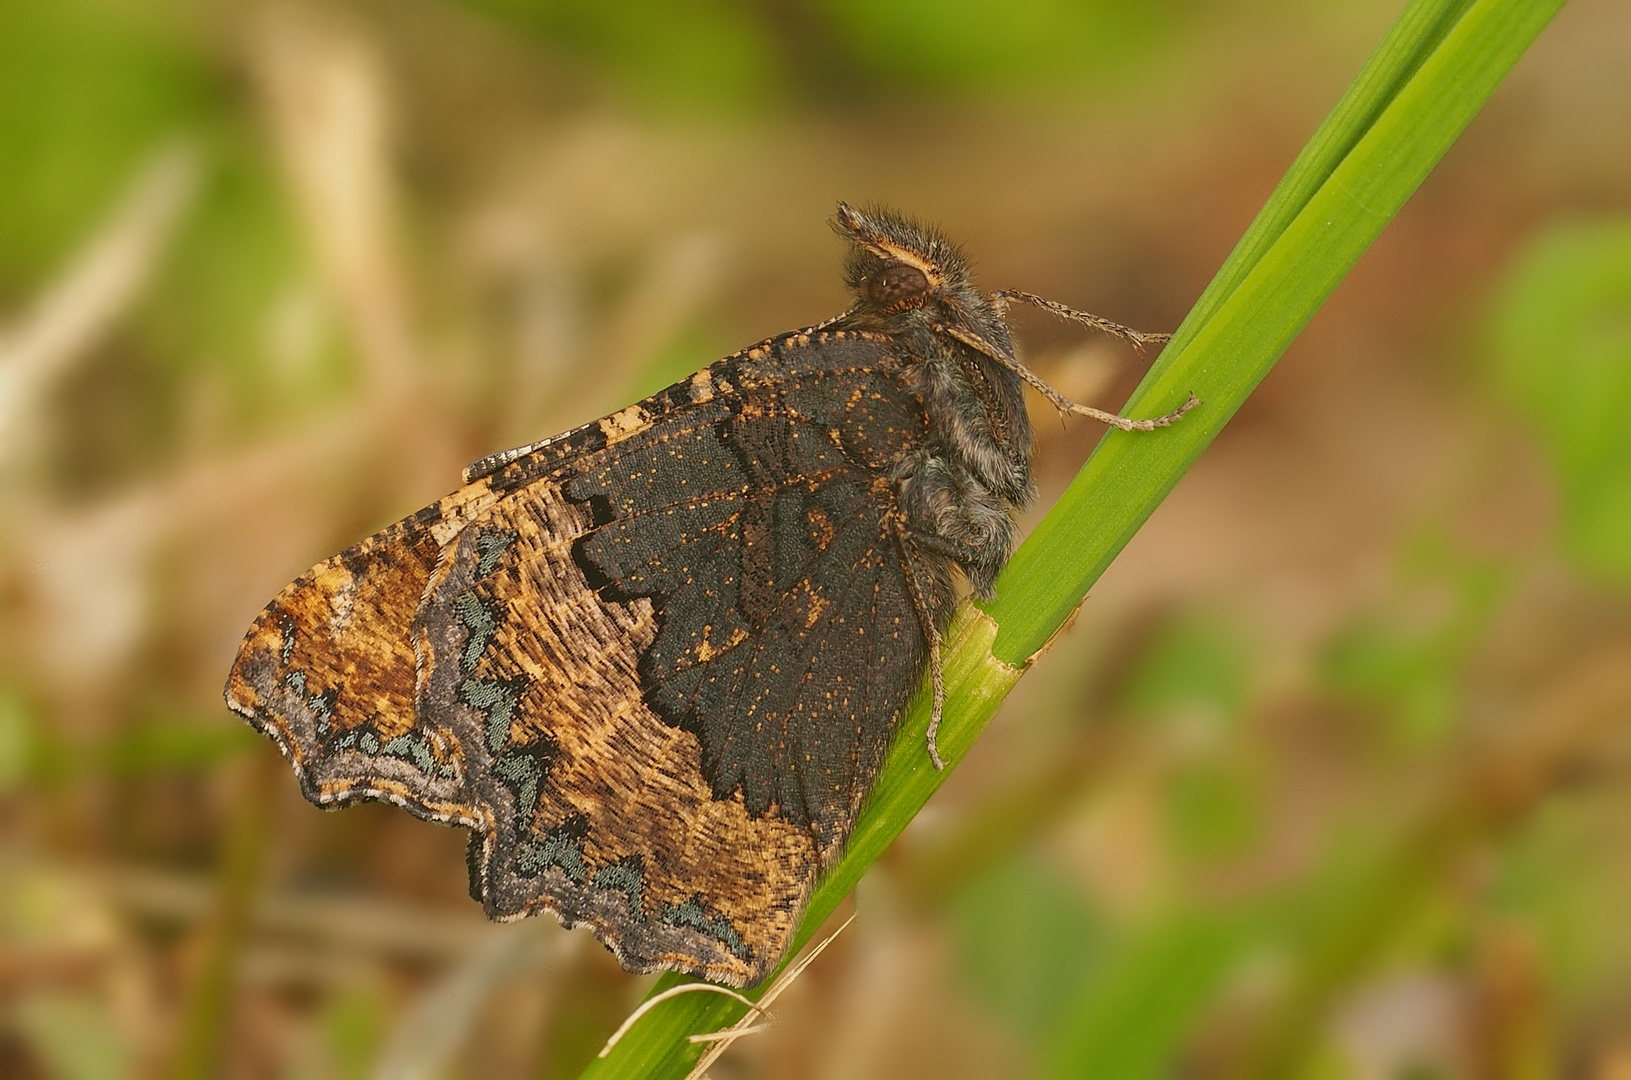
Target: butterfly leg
x=931, y=634
x=1059, y=401
x=1124, y=423
x=1136, y=338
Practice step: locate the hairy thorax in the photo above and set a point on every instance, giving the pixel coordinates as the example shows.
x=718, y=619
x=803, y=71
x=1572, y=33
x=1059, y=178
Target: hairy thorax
x=958, y=492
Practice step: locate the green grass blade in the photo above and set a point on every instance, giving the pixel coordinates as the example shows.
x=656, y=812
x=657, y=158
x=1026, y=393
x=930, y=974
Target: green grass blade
x=1223, y=358
x=1421, y=88
x=1411, y=39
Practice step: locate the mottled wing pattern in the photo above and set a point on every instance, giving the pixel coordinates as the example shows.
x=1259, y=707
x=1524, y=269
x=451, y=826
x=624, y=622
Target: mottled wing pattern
x=653, y=664
x=329, y=673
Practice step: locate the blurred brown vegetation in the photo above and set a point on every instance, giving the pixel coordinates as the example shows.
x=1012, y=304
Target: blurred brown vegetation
x=1332, y=776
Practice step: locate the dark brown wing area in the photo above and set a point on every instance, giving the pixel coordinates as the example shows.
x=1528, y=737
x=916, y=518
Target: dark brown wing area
x=653, y=666
x=787, y=640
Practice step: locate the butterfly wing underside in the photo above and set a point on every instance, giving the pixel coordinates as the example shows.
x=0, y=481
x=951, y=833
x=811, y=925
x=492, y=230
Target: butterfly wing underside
x=653, y=665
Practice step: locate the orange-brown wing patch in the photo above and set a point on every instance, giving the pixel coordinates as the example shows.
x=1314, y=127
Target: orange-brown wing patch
x=327, y=670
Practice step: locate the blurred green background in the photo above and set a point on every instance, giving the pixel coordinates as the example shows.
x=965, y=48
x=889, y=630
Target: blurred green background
x=1331, y=778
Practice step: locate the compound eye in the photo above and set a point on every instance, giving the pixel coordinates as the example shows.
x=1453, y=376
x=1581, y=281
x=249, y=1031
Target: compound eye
x=897, y=285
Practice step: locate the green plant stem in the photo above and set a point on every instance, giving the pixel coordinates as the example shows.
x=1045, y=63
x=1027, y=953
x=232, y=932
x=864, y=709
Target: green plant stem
x=1430, y=76
x=1222, y=354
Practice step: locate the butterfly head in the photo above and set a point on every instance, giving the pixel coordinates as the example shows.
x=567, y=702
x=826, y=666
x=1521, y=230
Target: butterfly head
x=896, y=264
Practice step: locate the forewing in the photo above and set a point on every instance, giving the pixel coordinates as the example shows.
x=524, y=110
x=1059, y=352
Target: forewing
x=787, y=640
x=652, y=665
x=767, y=542
x=328, y=671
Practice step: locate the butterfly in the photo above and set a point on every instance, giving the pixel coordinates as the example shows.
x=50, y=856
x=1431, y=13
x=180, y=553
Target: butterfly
x=653, y=664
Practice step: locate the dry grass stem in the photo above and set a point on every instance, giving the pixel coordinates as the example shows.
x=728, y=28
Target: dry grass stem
x=722, y=1040
x=673, y=992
